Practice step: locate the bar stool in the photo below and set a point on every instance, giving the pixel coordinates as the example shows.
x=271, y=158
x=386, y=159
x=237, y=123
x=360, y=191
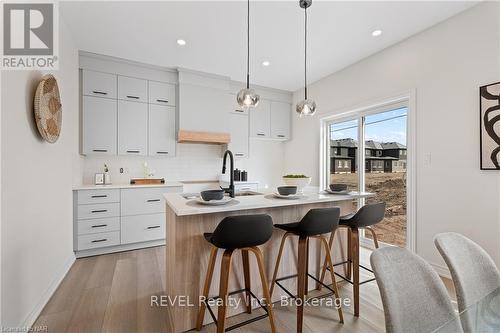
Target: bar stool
x=243, y=233
x=364, y=218
x=314, y=224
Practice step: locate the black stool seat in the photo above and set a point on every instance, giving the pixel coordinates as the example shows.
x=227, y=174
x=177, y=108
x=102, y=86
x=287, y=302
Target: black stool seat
x=316, y=222
x=236, y=232
x=366, y=216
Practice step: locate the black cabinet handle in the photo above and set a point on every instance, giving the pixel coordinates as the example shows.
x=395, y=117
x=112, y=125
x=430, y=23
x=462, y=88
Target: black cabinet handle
x=99, y=225
x=99, y=92
x=133, y=151
x=239, y=111
x=281, y=136
x=133, y=97
x=154, y=227
x=153, y=200
x=260, y=134
x=100, y=150
x=99, y=240
x=239, y=154
x=162, y=100
x=99, y=196
x=99, y=211
x=162, y=152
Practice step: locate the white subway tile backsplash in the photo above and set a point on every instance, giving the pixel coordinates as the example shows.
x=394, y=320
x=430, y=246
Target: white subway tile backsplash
x=192, y=162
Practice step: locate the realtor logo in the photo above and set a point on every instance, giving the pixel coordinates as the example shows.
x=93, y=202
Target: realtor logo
x=29, y=36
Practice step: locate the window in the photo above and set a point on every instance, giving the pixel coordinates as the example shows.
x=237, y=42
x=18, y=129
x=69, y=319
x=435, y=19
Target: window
x=383, y=172
x=340, y=164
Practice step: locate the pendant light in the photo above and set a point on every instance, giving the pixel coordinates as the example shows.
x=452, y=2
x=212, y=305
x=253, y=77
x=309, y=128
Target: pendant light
x=247, y=97
x=306, y=107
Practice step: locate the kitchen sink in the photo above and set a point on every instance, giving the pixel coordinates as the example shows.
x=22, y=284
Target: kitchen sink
x=246, y=193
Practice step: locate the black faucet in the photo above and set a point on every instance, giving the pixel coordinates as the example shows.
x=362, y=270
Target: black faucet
x=230, y=189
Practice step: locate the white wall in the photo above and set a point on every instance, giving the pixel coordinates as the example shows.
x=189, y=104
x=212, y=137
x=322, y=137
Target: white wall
x=446, y=65
x=37, y=178
x=193, y=162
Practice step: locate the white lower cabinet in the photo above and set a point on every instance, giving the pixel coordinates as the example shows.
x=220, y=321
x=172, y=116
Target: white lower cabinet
x=142, y=228
x=111, y=220
x=103, y=239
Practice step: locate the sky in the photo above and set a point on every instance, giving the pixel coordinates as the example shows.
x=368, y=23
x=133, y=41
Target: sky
x=387, y=126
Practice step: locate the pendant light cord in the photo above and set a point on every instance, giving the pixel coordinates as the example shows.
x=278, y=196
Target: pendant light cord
x=248, y=44
x=305, y=53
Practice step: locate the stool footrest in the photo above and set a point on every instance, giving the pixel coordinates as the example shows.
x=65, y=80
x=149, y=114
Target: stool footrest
x=246, y=322
x=346, y=279
x=332, y=292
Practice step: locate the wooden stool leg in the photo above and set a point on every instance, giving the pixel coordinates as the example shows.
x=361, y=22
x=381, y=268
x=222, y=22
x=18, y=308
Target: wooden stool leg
x=224, y=282
x=323, y=270
x=332, y=274
x=265, y=289
x=306, y=288
x=246, y=274
x=355, y=268
x=206, y=287
x=278, y=259
x=374, y=236
x=301, y=282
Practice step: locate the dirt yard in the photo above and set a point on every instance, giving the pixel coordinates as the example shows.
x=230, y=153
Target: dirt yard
x=390, y=188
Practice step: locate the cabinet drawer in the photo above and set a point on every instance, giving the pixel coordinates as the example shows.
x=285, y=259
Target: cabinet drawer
x=143, y=201
x=101, y=239
x=132, y=89
x=161, y=93
x=96, y=211
x=141, y=228
x=95, y=226
x=98, y=196
x=99, y=84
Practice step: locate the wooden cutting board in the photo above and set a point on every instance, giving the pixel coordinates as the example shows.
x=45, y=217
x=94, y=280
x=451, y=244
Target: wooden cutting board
x=147, y=181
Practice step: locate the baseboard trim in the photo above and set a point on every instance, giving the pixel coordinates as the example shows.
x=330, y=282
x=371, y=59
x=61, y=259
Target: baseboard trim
x=44, y=299
x=119, y=248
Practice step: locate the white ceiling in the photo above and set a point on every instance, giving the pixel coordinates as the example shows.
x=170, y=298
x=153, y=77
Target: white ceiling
x=339, y=34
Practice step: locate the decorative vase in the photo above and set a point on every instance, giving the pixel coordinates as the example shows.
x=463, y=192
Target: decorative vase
x=107, y=178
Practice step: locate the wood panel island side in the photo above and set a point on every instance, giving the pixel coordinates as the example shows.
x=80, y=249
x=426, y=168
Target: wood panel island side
x=187, y=252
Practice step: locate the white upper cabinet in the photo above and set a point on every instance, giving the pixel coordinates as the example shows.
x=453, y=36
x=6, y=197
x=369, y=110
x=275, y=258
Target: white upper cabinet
x=132, y=89
x=260, y=120
x=99, y=119
x=162, y=93
x=238, y=124
x=132, y=128
x=99, y=84
x=161, y=130
x=280, y=120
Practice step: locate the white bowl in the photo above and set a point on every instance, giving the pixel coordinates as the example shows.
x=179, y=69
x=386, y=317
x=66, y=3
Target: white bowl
x=299, y=182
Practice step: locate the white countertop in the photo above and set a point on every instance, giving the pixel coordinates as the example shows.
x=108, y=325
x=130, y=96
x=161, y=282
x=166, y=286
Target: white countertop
x=182, y=206
x=119, y=186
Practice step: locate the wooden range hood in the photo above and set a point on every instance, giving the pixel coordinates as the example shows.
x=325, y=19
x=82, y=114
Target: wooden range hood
x=214, y=138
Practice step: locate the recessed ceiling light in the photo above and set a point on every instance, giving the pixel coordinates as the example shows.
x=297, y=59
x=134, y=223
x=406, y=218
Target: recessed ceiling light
x=376, y=33
x=181, y=42
x=266, y=63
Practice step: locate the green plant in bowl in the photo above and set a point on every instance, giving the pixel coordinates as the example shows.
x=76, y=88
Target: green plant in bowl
x=295, y=176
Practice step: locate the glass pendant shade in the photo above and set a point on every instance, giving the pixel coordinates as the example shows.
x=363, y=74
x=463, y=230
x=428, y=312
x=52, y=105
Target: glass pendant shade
x=306, y=107
x=247, y=98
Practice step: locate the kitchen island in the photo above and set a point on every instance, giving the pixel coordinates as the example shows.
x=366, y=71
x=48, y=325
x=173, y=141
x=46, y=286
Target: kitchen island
x=187, y=252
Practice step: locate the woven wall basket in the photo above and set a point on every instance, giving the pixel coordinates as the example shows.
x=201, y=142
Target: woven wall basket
x=48, y=109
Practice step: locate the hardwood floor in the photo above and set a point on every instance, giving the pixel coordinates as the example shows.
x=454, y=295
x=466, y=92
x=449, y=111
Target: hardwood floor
x=111, y=293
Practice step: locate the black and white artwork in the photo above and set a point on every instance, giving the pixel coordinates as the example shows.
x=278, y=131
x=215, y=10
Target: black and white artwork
x=490, y=126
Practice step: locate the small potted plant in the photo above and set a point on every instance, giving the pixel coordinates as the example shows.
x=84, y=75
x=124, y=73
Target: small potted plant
x=301, y=181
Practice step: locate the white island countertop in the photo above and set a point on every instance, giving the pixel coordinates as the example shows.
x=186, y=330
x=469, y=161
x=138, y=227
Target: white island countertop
x=120, y=186
x=182, y=206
